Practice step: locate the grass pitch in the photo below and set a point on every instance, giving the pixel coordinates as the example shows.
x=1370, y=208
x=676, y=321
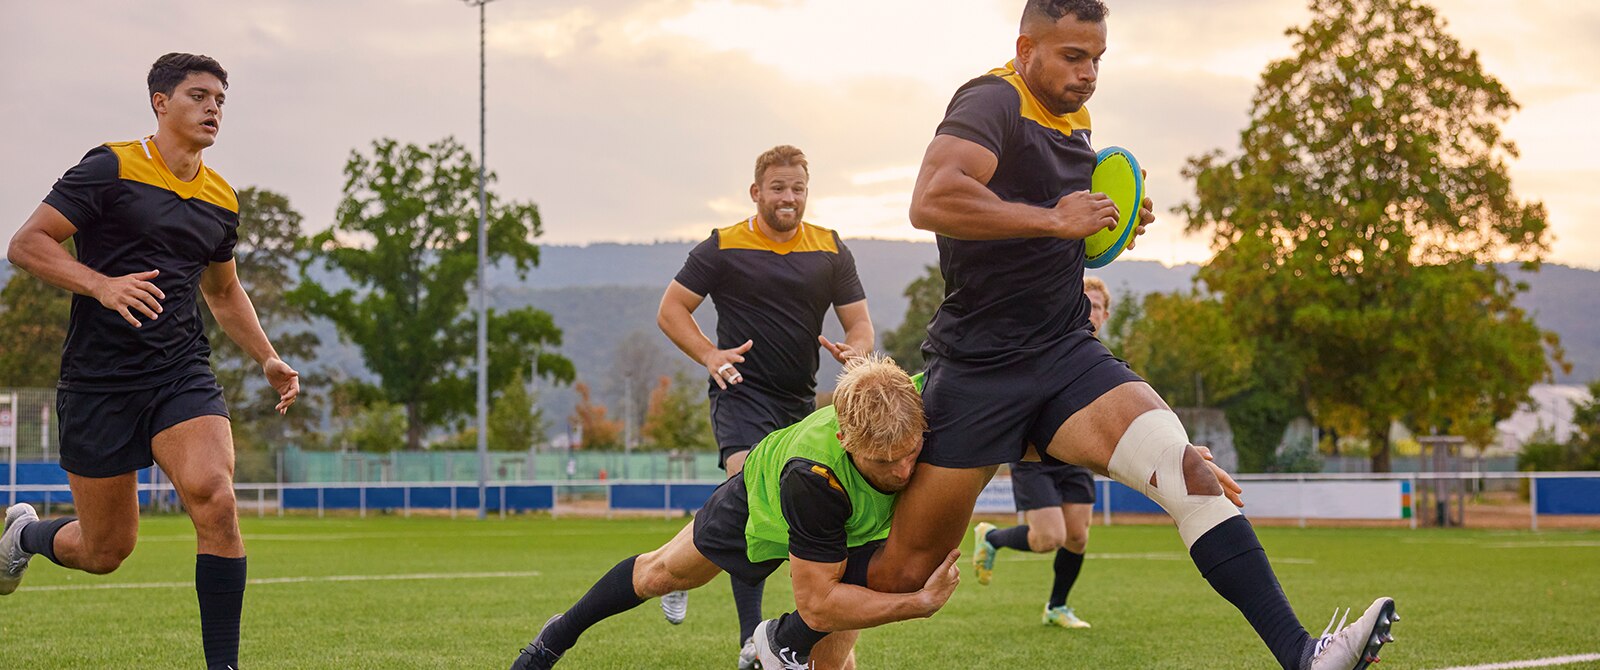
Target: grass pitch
x=437, y=593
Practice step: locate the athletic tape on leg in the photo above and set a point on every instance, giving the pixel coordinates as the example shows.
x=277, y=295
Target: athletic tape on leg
x=1154, y=444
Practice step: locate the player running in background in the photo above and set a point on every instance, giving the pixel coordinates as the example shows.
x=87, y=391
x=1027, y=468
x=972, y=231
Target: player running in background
x=1057, y=500
x=155, y=229
x=772, y=278
x=818, y=494
x=1012, y=360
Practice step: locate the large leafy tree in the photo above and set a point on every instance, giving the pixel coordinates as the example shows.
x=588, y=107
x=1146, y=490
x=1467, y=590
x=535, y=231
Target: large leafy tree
x=406, y=238
x=33, y=325
x=265, y=256
x=1188, y=349
x=1366, y=208
x=904, y=343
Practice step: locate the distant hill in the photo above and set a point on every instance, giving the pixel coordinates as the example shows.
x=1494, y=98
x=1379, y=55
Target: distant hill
x=600, y=293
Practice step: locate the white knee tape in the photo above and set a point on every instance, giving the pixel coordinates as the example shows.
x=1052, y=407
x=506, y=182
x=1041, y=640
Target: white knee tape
x=1153, y=445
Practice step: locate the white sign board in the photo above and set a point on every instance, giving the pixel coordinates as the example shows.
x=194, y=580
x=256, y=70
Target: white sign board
x=1323, y=500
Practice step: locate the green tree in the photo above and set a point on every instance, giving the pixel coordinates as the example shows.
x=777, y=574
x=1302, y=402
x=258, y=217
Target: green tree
x=377, y=427
x=515, y=422
x=33, y=325
x=1187, y=349
x=1370, y=195
x=679, y=416
x=904, y=343
x=265, y=258
x=406, y=237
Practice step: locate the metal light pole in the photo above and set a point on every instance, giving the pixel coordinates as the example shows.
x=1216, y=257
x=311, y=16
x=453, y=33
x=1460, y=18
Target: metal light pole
x=483, y=253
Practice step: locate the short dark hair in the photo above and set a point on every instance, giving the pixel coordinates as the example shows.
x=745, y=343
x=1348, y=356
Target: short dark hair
x=171, y=69
x=1092, y=11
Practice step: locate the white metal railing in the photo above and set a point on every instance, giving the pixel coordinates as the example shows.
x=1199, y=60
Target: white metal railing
x=256, y=495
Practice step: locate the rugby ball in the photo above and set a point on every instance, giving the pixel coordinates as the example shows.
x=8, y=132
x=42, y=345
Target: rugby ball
x=1117, y=174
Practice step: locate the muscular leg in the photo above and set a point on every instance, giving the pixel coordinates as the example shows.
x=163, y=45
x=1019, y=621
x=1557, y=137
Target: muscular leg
x=198, y=455
x=1222, y=543
x=107, y=525
x=676, y=566
x=930, y=519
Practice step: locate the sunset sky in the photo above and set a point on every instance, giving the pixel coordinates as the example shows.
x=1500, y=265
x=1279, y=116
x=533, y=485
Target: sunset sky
x=639, y=120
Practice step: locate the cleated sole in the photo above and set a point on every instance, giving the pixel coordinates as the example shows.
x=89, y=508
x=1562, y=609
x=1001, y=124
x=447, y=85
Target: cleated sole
x=1379, y=636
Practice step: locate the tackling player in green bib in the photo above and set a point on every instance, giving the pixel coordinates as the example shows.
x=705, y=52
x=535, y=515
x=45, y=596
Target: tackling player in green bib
x=819, y=494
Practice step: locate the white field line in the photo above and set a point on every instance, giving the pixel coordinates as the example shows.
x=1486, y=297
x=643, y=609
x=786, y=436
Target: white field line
x=425, y=576
x=1537, y=663
x=1542, y=545
x=1149, y=556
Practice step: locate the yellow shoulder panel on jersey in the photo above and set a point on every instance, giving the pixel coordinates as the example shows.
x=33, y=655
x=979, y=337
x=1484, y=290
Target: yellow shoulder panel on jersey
x=832, y=480
x=140, y=161
x=1034, y=111
x=746, y=235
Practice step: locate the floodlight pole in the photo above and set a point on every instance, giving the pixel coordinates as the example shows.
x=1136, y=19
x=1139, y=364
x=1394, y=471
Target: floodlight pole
x=483, y=253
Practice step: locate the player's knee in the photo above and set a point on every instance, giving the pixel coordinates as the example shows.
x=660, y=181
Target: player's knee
x=1198, y=477
x=1154, y=457
x=1077, y=540
x=651, y=578
x=210, y=495
x=104, y=558
x=1042, y=539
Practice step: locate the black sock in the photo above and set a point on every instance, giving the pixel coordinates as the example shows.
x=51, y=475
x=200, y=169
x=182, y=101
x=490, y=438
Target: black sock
x=794, y=634
x=747, y=601
x=1231, y=558
x=220, y=584
x=1068, y=565
x=610, y=596
x=39, y=537
x=1015, y=537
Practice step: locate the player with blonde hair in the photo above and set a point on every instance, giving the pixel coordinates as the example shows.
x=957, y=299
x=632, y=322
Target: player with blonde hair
x=818, y=494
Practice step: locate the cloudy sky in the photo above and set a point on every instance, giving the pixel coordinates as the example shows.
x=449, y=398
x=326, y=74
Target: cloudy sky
x=638, y=120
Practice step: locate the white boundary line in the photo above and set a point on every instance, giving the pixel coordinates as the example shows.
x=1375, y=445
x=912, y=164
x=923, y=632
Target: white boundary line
x=425, y=576
x=1537, y=663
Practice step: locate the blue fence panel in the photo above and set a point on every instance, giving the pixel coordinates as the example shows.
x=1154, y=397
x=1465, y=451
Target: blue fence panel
x=691, y=496
x=638, y=496
x=1569, y=496
x=386, y=498
x=299, y=499
x=524, y=498
x=430, y=497
x=1126, y=500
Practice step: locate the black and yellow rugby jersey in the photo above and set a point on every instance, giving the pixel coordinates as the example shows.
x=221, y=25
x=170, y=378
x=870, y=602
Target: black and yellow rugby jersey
x=134, y=215
x=1004, y=296
x=775, y=293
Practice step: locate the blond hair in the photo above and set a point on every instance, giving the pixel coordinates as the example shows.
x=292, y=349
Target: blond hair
x=1097, y=284
x=782, y=155
x=880, y=411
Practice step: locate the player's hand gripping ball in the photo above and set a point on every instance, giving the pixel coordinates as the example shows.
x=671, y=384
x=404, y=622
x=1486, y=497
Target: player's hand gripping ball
x=1116, y=174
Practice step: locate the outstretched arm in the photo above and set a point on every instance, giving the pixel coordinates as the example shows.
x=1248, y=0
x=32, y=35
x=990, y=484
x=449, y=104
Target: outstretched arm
x=858, y=333
x=237, y=315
